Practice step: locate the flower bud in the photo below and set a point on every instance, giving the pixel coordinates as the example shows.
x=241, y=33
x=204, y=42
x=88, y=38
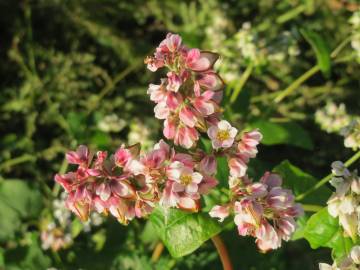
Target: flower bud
x=355, y=254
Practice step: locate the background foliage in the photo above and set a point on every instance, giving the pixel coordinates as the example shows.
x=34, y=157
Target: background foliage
x=72, y=73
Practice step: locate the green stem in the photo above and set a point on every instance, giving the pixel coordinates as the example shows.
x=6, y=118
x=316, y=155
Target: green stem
x=292, y=87
x=111, y=85
x=29, y=48
x=327, y=178
x=291, y=14
x=11, y=162
x=312, y=207
x=339, y=48
x=239, y=86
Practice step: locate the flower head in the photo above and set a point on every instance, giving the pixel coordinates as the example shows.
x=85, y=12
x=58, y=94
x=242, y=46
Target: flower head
x=222, y=135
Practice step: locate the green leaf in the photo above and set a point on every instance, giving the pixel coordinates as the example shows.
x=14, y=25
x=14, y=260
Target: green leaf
x=21, y=197
x=321, y=49
x=17, y=200
x=322, y=230
x=205, y=145
x=9, y=222
x=31, y=257
x=283, y=133
x=183, y=232
x=222, y=174
x=2, y=261
x=299, y=182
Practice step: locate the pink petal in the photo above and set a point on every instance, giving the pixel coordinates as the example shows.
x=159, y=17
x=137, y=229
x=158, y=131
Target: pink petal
x=187, y=116
x=169, y=129
x=210, y=81
x=212, y=132
x=220, y=212
x=203, y=62
x=191, y=188
x=189, y=204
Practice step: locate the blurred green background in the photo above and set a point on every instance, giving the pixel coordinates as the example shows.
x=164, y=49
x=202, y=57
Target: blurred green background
x=72, y=73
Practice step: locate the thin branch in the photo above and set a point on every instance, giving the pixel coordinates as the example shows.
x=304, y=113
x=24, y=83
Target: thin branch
x=327, y=178
x=221, y=249
x=157, y=252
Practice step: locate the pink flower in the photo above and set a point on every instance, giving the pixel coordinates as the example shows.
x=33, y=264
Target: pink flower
x=153, y=64
x=169, y=130
x=204, y=103
x=122, y=157
x=171, y=43
x=248, y=215
x=271, y=180
x=174, y=100
x=210, y=81
x=174, y=82
x=157, y=92
x=162, y=110
x=208, y=164
x=237, y=166
x=220, y=212
x=222, y=135
x=286, y=227
x=186, y=180
x=248, y=143
x=169, y=197
x=80, y=157
x=188, y=116
x=279, y=198
x=186, y=136
x=263, y=210
x=207, y=184
x=267, y=237
x=200, y=61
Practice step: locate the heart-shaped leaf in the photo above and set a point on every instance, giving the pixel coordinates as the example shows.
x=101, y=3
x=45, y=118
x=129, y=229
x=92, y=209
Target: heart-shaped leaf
x=183, y=232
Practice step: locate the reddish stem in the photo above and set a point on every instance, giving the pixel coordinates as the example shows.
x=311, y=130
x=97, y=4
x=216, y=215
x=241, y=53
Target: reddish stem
x=221, y=248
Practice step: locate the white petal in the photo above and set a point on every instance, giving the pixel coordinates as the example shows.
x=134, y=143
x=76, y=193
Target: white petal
x=212, y=131
x=191, y=188
x=233, y=132
x=196, y=177
x=224, y=125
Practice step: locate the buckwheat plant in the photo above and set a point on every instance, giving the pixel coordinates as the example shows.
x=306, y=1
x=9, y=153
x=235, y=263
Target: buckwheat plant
x=345, y=202
x=350, y=262
x=130, y=184
x=335, y=119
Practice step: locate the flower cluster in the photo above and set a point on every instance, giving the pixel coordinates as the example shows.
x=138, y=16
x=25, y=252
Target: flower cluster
x=57, y=232
x=333, y=118
x=352, y=134
x=345, y=202
x=351, y=262
x=355, y=37
x=263, y=210
x=188, y=99
x=129, y=184
x=55, y=238
x=106, y=184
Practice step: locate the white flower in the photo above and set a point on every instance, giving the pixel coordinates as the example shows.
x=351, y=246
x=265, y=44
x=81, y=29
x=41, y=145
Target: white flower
x=222, y=135
x=355, y=254
x=185, y=178
x=339, y=169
